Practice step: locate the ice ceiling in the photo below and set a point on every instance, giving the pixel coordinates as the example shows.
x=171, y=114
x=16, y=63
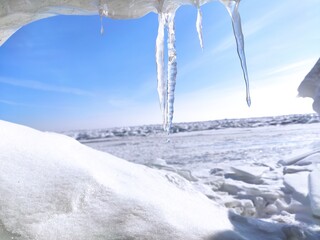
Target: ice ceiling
x=17, y=13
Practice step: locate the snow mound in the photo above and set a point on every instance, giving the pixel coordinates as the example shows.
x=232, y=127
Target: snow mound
x=52, y=186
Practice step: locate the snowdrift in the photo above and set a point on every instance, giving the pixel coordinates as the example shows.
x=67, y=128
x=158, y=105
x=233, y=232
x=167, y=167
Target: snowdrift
x=52, y=187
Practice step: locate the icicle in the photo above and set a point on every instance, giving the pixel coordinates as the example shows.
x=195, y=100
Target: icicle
x=101, y=24
x=232, y=7
x=162, y=82
x=199, y=26
x=103, y=11
x=172, y=69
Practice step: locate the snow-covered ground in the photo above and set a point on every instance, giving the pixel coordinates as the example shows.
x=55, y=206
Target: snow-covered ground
x=259, y=170
x=232, y=183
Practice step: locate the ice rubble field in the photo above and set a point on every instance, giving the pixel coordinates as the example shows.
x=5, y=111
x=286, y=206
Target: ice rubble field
x=53, y=187
x=260, y=172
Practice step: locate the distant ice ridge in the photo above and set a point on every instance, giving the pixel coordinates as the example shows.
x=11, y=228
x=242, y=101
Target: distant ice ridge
x=16, y=13
x=54, y=188
x=100, y=134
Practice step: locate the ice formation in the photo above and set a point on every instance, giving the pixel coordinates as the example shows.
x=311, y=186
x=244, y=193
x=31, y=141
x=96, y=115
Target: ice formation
x=232, y=7
x=166, y=86
x=16, y=13
x=314, y=191
x=199, y=24
x=310, y=86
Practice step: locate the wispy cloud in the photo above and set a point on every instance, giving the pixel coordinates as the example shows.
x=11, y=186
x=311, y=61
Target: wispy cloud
x=19, y=104
x=36, y=85
x=293, y=66
x=250, y=28
x=300, y=66
x=9, y=103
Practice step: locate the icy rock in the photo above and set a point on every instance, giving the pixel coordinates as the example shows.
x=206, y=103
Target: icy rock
x=243, y=207
x=162, y=164
x=296, y=169
x=298, y=184
x=216, y=182
x=296, y=159
x=312, y=159
x=271, y=209
x=248, y=174
x=216, y=171
x=314, y=191
x=242, y=189
x=310, y=86
x=52, y=187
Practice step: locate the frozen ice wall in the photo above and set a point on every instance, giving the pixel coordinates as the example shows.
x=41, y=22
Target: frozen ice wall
x=310, y=86
x=16, y=13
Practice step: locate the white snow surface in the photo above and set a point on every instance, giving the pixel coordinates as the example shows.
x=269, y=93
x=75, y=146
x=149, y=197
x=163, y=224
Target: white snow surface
x=53, y=187
x=254, y=171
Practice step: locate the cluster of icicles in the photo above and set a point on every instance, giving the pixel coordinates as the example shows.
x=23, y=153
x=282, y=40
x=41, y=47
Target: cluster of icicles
x=167, y=73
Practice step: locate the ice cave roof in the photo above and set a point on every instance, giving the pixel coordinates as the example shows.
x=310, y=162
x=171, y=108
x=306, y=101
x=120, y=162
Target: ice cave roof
x=17, y=13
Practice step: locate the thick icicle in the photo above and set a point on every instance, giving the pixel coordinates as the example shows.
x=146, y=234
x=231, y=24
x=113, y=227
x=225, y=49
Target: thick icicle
x=103, y=11
x=162, y=81
x=172, y=69
x=232, y=7
x=101, y=23
x=199, y=26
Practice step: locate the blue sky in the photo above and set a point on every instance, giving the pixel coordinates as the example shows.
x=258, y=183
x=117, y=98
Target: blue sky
x=60, y=73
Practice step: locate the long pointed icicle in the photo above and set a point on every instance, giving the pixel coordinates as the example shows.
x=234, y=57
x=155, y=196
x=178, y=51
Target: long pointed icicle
x=199, y=26
x=162, y=81
x=172, y=69
x=101, y=25
x=103, y=11
x=232, y=7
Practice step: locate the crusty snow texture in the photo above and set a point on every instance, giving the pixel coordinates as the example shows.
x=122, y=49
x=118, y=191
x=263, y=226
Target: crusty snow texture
x=53, y=187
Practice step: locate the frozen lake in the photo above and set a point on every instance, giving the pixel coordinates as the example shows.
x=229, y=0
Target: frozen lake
x=238, y=167
x=204, y=150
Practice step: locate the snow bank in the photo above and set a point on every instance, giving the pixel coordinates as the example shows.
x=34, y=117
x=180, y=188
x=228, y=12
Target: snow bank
x=52, y=186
